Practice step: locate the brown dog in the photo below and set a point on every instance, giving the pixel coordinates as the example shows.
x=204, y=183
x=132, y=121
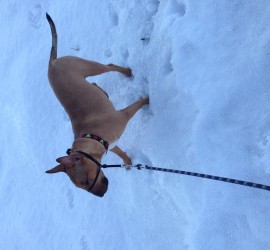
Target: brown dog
x=95, y=122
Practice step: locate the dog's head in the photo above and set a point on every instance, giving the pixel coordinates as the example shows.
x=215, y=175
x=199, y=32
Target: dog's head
x=82, y=173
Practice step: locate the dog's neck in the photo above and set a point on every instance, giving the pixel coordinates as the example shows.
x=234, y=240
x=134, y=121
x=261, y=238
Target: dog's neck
x=95, y=137
x=89, y=146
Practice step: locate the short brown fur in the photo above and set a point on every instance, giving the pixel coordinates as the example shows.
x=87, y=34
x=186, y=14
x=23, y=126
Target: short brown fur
x=90, y=111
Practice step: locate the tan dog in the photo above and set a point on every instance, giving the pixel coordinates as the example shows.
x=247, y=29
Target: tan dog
x=92, y=116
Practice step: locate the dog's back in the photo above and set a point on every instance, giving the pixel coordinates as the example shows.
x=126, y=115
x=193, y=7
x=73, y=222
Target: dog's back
x=81, y=100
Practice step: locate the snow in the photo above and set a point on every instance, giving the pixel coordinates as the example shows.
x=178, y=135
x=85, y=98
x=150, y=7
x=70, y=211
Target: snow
x=205, y=66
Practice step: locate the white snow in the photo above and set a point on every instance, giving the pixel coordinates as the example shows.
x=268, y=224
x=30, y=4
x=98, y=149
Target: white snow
x=205, y=66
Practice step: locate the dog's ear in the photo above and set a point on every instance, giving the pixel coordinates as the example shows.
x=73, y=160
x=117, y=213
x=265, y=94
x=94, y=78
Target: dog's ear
x=57, y=169
x=66, y=160
x=69, y=160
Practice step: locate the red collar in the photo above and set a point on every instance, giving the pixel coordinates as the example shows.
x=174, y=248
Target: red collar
x=97, y=138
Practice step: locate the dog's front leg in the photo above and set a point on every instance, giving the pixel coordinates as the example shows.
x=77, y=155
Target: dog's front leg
x=125, y=115
x=122, y=155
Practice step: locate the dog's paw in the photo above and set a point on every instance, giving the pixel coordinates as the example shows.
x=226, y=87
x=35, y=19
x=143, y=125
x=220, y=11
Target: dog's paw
x=127, y=161
x=127, y=167
x=145, y=100
x=128, y=72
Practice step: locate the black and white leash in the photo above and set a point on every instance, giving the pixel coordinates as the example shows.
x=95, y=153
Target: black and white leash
x=206, y=176
x=174, y=171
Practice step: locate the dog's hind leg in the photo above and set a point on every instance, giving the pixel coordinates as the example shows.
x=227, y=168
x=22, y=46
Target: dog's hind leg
x=126, y=71
x=87, y=68
x=131, y=110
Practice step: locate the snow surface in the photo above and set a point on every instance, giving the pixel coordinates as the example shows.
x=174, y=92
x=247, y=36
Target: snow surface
x=205, y=66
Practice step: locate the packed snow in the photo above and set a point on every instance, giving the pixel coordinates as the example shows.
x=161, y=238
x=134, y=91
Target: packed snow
x=205, y=67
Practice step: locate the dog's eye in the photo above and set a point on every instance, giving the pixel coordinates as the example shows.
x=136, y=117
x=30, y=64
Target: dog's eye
x=77, y=158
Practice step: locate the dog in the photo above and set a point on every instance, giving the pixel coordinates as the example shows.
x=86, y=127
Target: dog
x=96, y=124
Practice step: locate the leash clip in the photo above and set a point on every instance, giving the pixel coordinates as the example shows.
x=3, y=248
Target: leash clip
x=138, y=166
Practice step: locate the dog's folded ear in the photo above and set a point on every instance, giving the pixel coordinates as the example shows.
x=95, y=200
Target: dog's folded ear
x=65, y=161
x=57, y=169
x=69, y=160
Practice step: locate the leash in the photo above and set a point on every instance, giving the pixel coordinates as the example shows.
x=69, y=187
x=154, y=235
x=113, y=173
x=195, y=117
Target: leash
x=174, y=171
x=206, y=176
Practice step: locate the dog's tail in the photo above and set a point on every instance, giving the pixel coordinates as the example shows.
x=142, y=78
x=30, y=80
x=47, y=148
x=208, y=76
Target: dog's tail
x=54, y=38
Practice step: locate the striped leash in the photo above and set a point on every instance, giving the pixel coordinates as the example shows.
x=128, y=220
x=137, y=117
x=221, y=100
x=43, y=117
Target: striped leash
x=211, y=177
